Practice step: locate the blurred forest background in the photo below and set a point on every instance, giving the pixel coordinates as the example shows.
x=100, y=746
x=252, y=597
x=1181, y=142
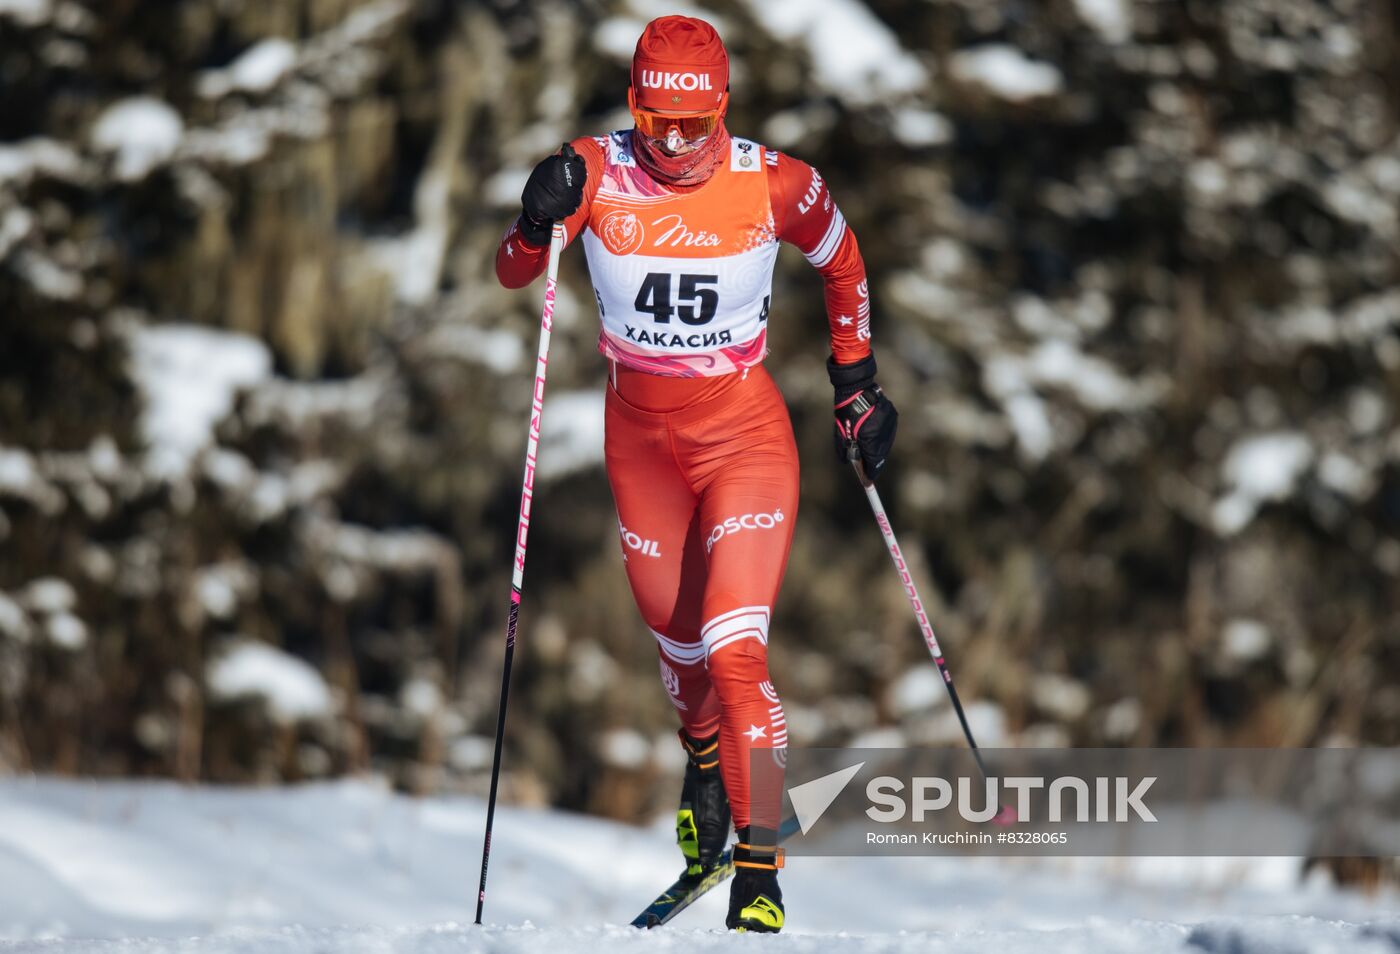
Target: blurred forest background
x=1136, y=280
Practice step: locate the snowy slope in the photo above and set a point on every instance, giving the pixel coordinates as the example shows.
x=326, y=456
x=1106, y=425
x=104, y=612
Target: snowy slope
x=352, y=867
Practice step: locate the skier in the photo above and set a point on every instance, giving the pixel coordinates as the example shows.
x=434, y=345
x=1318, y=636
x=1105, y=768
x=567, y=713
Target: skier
x=681, y=223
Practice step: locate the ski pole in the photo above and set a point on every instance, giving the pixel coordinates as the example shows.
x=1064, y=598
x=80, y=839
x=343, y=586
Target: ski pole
x=907, y=578
x=532, y=447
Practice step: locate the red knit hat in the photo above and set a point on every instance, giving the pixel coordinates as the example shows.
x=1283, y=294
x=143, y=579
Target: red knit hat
x=680, y=66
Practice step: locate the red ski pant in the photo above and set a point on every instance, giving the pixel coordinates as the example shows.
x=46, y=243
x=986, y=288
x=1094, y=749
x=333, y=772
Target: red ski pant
x=706, y=499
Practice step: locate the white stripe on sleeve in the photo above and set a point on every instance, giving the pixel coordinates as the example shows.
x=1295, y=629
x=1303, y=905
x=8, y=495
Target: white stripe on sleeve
x=830, y=242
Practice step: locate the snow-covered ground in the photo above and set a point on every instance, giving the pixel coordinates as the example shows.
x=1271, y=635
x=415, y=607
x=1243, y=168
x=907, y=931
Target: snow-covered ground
x=353, y=867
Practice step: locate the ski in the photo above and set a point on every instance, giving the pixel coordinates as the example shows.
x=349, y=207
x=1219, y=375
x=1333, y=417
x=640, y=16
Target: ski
x=685, y=891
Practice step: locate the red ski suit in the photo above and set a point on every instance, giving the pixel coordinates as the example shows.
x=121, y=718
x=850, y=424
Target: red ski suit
x=699, y=447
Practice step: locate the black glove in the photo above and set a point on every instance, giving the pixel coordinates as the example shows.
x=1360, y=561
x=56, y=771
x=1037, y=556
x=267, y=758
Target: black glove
x=553, y=192
x=864, y=416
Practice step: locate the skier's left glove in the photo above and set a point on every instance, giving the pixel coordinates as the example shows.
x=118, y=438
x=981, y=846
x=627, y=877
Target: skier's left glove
x=864, y=416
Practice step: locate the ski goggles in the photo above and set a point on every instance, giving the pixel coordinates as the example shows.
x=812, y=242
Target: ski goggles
x=692, y=126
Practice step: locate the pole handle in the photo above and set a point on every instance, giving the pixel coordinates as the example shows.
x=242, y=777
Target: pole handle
x=853, y=455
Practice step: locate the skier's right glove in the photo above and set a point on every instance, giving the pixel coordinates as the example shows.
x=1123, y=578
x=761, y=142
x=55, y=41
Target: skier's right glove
x=553, y=192
x=864, y=416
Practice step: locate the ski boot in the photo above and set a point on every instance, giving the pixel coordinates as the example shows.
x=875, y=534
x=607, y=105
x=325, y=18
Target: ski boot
x=702, y=821
x=755, y=900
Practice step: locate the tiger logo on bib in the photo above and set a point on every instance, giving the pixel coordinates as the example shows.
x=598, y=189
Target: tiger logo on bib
x=621, y=232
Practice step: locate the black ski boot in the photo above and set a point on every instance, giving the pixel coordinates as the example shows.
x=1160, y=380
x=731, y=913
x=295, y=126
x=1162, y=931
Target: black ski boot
x=702, y=822
x=755, y=900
